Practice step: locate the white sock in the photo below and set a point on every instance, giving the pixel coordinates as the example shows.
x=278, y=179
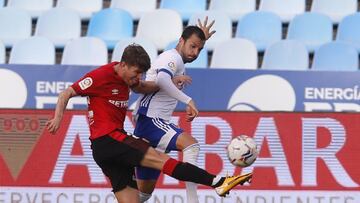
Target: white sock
x=190, y=155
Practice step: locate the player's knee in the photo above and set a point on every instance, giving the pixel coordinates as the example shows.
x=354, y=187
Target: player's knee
x=191, y=153
x=144, y=197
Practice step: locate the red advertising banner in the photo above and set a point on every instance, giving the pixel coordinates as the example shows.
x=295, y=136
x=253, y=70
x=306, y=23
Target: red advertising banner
x=317, y=152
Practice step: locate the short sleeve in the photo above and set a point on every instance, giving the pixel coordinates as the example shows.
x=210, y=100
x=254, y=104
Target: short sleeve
x=87, y=85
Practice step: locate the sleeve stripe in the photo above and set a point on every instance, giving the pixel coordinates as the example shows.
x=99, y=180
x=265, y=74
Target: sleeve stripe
x=166, y=71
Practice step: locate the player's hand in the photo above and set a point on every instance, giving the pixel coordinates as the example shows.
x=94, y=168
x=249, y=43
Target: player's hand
x=191, y=111
x=181, y=80
x=206, y=28
x=53, y=125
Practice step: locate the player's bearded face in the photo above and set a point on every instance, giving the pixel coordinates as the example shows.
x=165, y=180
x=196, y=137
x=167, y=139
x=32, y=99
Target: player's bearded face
x=191, y=48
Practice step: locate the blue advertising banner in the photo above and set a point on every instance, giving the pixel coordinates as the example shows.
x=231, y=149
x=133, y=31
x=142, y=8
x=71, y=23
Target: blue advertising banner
x=34, y=86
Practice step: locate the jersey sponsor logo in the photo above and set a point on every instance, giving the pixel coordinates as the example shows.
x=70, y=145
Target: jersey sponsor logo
x=115, y=91
x=119, y=104
x=172, y=66
x=85, y=83
x=263, y=93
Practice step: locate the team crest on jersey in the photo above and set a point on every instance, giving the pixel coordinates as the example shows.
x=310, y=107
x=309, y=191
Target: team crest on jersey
x=172, y=66
x=85, y=83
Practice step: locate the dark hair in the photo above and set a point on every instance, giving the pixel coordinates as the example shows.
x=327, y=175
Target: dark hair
x=135, y=55
x=190, y=30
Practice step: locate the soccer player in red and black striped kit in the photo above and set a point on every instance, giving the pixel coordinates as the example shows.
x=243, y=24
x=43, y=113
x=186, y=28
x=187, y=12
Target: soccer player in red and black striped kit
x=115, y=151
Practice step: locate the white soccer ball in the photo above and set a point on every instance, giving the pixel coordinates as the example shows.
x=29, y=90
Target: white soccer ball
x=242, y=151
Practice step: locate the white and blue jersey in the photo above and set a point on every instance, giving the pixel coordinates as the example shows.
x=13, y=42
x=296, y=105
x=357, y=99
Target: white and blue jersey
x=160, y=104
x=154, y=111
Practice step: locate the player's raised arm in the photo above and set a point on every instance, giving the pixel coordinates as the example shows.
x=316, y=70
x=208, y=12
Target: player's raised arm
x=54, y=123
x=206, y=28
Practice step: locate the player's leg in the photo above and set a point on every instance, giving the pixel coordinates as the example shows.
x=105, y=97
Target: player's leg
x=190, y=148
x=146, y=181
x=162, y=136
x=127, y=195
x=111, y=156
x=188, y=172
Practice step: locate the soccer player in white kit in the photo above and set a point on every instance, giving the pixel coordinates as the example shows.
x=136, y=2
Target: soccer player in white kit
x=154, y=110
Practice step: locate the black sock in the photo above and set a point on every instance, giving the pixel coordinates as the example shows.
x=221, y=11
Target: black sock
x=191, y=173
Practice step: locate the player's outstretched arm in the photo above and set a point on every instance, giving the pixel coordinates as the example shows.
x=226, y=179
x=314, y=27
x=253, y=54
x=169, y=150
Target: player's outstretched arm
x=191, y=111
x=145, y=87
x=54, y=123
x=206, y=28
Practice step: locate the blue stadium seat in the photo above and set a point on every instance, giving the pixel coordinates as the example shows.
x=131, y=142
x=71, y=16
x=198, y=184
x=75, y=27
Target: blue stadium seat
x=34, y=7
x=15, y=25
x=349, y=30
x=336, y=56
x=33, y=50
x=261, y=27
x=287, y=9
x=59, y=25
x=111, y=25
x=200, y=62
x=335, y=9
x=85, y=51
x=235, y=9
x=85, y=8
x=235, y=53
x=186, y=8
x=313, y=29
x=286, y=55
x=137, y=8
x=223, y=26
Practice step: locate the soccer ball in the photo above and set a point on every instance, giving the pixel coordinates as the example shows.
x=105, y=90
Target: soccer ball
x=242, y=151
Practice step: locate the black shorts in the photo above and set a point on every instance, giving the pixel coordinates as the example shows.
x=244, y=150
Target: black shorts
x=118, y=157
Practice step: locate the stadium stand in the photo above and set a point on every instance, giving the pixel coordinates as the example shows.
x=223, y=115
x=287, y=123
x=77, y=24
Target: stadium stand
x=200, y=62
x=136, y=7
x=15, y=25
x=336, y=56
x=335, y=9
x=222, y=26
x=148, y=45
x=349, y=30
x=33, y=50
x=85, y=51
x=235, y=9
x=286, y=55
x=235, y=53
x=59, y=25
x=34, y=7
x=287, y=10
x=102, y=23
x=85, y=10
x=261, y=27
x=312, y=29
x=186, y=8
x=168, y=27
